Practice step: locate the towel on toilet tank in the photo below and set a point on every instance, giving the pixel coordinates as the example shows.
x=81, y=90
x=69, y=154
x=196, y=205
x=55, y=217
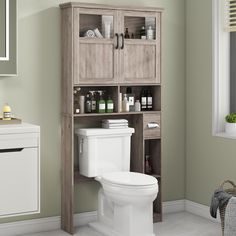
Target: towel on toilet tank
x=230, y=218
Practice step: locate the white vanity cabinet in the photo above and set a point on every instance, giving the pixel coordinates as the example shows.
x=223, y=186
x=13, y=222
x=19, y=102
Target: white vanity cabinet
x=19, y=169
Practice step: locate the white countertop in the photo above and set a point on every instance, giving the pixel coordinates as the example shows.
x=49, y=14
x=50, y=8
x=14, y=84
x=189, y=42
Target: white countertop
x=19, y=128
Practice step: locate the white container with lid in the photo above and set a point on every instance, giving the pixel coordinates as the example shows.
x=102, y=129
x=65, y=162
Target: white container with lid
x=150, y=33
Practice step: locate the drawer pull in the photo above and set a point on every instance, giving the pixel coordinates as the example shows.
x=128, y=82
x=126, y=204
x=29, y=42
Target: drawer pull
x=153, y=125
x=11, y=150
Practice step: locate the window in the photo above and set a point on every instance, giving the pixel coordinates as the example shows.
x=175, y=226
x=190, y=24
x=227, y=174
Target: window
x=224, y=68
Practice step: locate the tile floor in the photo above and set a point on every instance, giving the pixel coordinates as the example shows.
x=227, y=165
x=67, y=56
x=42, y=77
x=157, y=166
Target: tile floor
x=178, y=224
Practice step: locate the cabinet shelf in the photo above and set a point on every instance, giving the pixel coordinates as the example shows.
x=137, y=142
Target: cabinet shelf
x=141, y=41
x=116, y=113
x=95, y=40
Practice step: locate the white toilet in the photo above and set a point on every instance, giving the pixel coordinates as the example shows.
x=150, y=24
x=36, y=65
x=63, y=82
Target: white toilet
x=125, y=201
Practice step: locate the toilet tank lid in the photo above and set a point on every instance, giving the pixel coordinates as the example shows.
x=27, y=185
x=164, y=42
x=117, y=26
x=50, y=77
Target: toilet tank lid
x=103, y=131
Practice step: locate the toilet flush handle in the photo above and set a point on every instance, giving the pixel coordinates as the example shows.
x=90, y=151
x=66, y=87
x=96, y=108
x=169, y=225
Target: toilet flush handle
x=81, y=144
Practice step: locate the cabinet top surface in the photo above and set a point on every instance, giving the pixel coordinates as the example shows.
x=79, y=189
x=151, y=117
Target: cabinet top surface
x=111, y=7
x=19, y=128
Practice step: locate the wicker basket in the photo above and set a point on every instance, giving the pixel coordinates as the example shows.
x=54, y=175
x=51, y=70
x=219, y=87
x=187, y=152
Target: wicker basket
x=222, y=209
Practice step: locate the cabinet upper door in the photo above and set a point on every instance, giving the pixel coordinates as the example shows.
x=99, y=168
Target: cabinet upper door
x=140, y=49
x=94, y=49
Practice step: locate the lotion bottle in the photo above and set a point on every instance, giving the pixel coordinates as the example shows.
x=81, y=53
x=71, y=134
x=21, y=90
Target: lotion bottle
x=125, y=104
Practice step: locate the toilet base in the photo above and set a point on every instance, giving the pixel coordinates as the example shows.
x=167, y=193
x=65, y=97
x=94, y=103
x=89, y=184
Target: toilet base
x=106, y=230
x=116, y=219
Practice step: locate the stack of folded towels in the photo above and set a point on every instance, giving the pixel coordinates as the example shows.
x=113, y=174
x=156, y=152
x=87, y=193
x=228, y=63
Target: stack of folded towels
x=115, y=124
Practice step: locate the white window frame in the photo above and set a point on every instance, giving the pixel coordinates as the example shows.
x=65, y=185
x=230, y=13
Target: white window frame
x=221, y=70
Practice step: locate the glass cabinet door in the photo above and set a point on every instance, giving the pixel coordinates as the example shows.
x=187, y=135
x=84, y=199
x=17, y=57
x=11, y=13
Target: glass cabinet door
x=140, y=50
x=95, y=53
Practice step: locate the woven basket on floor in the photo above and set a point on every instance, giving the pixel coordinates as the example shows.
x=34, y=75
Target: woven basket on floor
x=222, y=209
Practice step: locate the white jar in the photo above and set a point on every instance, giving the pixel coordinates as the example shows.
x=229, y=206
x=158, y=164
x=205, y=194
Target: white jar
x=81, y=103
x=125, y=104
x=150, y=33
x=137, y=106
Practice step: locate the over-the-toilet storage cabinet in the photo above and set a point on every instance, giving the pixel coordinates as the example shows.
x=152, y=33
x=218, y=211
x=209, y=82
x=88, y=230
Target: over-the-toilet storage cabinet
x=110, y=64
x=19, y=170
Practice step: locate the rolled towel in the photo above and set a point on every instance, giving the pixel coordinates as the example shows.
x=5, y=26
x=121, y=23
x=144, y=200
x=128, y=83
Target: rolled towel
x=97, y=33
x=89, y=34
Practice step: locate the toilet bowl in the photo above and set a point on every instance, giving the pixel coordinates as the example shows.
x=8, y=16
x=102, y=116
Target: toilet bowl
x=125, y=204
x=125, y=199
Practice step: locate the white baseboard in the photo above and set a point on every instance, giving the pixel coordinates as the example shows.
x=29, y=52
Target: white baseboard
x=173, y=206
x=30, y=226
x=191, y=207
x=43, y=224
x=53, y=223
x=200, y=210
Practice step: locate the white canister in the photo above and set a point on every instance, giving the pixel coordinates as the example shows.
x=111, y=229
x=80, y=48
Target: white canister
x=107, y=31
x=120, y=103
x=150, y=33
x=81, y=104
x=137, y=106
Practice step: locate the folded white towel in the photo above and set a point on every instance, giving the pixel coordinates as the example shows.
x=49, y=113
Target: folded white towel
x=230, y=218
x=116, y=121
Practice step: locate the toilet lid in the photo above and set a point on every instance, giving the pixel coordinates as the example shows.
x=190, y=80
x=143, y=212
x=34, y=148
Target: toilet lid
x=129, y=179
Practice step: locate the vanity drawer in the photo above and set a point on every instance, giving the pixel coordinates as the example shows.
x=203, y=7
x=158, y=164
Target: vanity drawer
x=151, y=126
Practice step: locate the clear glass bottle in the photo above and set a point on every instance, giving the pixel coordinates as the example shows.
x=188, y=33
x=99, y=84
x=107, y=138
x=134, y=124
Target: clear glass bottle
x=76, y=101
x=88, y=103
x=143, y=33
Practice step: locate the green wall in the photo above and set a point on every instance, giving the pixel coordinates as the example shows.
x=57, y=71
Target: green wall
x=34, y=95
x=209, y=160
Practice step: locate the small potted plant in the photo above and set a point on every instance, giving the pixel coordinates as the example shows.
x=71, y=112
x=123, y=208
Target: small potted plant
x=230, y=126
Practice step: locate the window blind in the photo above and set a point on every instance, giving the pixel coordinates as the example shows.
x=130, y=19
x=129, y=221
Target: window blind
x=231, y=15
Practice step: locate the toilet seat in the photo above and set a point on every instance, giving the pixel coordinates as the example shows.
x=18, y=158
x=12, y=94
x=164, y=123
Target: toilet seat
x=130, y=180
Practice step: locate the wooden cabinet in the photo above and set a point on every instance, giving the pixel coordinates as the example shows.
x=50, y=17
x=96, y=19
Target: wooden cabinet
x=140, y=58
x=95, y=59
x=115, y=59
x=110, y=63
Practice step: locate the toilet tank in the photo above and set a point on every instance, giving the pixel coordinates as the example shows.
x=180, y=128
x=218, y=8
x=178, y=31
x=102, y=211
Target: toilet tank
x=103, y=150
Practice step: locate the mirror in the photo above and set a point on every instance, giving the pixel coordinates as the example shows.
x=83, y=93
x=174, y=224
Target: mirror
x=8, y=37
x=4, y=30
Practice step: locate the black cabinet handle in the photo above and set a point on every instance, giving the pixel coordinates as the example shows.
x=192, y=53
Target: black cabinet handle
x=123, y=41
x=117, y=41
x=11, y=150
